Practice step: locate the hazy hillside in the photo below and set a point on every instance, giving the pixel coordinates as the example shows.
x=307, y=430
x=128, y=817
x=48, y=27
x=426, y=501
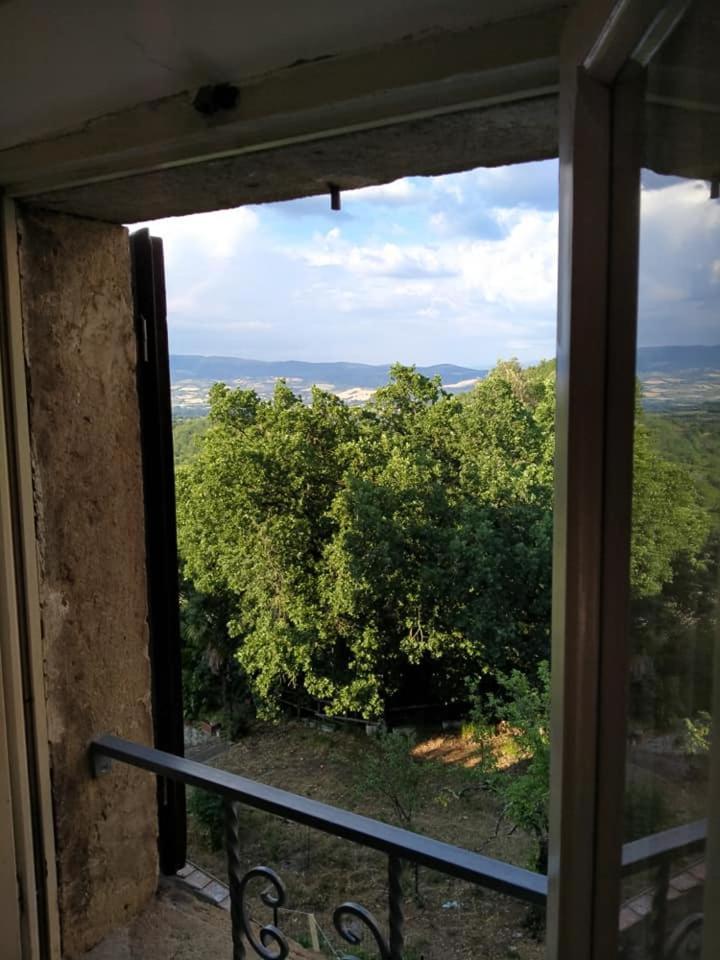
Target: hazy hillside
x=192, y=377
x=678, y=358
x=677, y=378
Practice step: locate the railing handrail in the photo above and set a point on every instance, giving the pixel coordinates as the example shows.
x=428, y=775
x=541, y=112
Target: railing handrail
x=455, y=861
x=675, y=842
x=467, y=865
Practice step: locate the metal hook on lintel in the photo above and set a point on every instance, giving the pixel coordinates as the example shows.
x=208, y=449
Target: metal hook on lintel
x=335, y=201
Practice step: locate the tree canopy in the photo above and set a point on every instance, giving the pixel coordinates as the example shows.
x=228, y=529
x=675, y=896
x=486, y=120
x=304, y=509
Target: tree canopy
x=361, y=547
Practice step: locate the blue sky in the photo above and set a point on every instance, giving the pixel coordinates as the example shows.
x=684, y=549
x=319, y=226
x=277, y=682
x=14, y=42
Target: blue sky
x=460, y=269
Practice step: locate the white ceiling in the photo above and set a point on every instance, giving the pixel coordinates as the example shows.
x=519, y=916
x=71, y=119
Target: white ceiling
x=63, y=62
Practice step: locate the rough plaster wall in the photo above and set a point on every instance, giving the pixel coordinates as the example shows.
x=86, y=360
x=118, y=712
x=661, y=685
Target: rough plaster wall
x=78, y=326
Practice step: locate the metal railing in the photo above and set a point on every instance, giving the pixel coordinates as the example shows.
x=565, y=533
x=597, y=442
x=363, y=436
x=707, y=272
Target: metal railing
x=400, y=846
x=657, y=852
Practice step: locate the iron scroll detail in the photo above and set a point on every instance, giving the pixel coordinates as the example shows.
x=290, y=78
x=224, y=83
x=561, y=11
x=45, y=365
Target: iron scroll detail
x=242, y=931
x=270, y=933
x=685, y=942
x=354, y=911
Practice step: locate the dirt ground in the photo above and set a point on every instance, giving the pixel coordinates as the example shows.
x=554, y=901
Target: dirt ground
x=449, y=919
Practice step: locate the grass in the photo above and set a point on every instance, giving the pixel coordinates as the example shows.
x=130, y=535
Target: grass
x=450, y=919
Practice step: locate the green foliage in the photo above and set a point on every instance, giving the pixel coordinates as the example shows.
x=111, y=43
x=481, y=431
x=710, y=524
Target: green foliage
x=673, y=641
x=696, y=734
x=187, y=437
x=213, y=682
x=522, y=711
x=357, y=547
x=661, y=490
x=693, y=439
x=674, y=627
x=389, y=773
x=208, y=812
x=355, y=544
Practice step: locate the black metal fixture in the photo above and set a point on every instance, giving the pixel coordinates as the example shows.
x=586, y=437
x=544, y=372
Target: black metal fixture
x=216, y=97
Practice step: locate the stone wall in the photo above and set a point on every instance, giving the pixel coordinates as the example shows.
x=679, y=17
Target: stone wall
x=80, y=354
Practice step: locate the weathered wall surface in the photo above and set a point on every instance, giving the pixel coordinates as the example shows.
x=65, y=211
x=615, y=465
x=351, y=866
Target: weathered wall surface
x=488, y=137
x=79, y=342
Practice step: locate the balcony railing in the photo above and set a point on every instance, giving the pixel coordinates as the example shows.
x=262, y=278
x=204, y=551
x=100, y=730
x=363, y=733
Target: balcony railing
x=400, y=846
x=658, y=852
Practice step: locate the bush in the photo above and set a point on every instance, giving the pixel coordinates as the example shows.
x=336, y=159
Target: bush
x=213, y=683
x=523, y=713
x=389, y=772
x=208, y=812
x=695, y=743
x=695, y=737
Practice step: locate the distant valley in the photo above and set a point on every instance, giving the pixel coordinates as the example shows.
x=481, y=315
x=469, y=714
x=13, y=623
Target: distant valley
x=677, y=378
x=192, y=376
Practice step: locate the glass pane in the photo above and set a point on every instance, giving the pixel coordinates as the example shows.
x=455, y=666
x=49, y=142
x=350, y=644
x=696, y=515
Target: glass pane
x=674, y=633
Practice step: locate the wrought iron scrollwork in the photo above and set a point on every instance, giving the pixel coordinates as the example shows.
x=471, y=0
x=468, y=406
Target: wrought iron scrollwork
x=342, y=920
x=347, y=912
x=269, y=934
x=685, y=942
x=271, y=944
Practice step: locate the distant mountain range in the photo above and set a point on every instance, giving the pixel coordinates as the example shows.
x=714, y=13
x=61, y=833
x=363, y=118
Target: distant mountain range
x=192, y=376
x=673, y=377
x=675, y=359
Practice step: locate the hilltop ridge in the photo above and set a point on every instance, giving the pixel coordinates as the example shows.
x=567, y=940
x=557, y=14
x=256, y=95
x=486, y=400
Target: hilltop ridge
x=673, y=377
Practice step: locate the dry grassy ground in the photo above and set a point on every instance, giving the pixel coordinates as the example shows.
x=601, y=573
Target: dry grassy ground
x=321, y=871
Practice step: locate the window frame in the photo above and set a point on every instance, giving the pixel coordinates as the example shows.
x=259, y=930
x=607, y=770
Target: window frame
x=599, y=201
x=600, y=129
x=37, y=923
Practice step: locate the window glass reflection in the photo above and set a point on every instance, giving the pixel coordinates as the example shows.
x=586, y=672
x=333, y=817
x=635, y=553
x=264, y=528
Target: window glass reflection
x=674, y=638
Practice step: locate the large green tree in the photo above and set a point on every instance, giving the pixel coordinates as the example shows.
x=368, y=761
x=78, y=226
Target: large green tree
x=361, y=547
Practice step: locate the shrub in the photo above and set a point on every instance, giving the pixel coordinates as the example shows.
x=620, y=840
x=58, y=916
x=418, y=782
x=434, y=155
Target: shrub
x=695, y=737
x=213, y=683
x=523, y=713
x=208, y=812
x=389, y=772
x=695, y=742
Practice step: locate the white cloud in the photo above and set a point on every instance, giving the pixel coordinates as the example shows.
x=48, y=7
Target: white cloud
x=679, y=238
x=216, y=236
x=395, y=193
x=518, y=268
x=388, y=259
x=412, y=283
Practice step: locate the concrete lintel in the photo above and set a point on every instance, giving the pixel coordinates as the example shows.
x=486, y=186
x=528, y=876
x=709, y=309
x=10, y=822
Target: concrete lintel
x=502, y=134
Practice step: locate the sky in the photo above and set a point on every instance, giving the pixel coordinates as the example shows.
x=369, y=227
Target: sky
x=454, y=269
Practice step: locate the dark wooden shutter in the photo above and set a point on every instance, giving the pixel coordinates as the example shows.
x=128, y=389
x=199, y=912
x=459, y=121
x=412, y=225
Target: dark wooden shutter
x=153, y=377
